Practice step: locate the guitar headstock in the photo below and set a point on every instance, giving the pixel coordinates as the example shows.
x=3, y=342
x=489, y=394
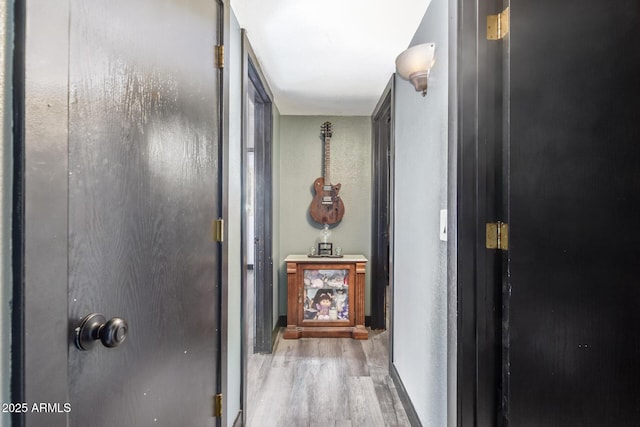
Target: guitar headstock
x=325, y=130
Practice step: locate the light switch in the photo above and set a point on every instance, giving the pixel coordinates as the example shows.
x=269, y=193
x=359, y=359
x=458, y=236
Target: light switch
x=443, y=225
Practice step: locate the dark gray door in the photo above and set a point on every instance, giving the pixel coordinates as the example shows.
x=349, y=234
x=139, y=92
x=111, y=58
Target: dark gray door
x=263, y=215
x=574, y=209
x=381, y=207
x=141, y=192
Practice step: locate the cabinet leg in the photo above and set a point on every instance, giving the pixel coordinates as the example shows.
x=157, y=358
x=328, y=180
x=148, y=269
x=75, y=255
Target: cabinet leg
x=360, y=333
x=292, y=332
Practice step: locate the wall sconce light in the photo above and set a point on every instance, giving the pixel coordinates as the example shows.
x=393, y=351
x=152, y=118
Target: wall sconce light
x=415, y=63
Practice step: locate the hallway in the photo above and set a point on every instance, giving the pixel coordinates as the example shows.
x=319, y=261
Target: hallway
x=324, y=382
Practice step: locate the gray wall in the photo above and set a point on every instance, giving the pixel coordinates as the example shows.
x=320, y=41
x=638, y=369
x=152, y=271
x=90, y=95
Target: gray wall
x=6, y=48
x=420, y=267
x=233, y=239
x=301, y=154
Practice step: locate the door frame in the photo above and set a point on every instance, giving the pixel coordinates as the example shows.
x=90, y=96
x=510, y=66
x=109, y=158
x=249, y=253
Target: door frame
x=480, y=163
x=40, y=292
x=382, y=172
x=263, y=296
x=263, y=156
x=16, y=370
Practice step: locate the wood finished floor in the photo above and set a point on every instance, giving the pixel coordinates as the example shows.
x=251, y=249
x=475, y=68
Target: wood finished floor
x=324, y=382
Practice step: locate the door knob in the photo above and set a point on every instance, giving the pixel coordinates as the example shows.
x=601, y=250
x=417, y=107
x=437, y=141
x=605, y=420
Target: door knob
x=95, y=327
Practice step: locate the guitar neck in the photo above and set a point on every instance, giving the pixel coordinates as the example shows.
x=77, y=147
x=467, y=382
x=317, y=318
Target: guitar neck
x=327, y=161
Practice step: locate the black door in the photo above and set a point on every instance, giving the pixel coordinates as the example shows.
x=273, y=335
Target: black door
x=549, y=141
x=573, y=340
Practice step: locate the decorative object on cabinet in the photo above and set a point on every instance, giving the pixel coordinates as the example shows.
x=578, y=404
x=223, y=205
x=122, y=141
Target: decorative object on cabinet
x=325, y=297
x=327, y=206
x=325, y=247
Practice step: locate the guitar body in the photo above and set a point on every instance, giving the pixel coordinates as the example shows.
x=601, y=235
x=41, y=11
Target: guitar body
x=327, y=206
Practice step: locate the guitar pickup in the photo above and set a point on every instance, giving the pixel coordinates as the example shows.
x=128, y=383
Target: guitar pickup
x=327, y=200
x=327, y=187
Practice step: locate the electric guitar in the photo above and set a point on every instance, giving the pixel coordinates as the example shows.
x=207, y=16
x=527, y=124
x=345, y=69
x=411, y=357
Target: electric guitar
x=326, y=206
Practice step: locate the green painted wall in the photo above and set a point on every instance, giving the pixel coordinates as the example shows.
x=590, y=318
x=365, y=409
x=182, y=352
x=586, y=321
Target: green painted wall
x=301, y=160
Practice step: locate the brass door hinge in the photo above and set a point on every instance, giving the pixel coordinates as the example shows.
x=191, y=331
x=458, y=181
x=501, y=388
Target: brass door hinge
x=498, y=25
x=219, y=52
x=217, y=405
x=497, y=234
x=218, y=230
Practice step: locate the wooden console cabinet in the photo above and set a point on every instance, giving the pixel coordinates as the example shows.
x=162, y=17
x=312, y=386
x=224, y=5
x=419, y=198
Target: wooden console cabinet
x=326, y=297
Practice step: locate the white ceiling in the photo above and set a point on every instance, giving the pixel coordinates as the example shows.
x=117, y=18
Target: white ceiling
x=329, y=57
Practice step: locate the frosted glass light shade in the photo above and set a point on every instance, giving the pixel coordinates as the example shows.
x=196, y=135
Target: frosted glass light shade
x=415, y=63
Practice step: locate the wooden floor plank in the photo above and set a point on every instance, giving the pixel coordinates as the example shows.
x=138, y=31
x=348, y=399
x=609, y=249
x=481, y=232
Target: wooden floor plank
x=354, y=358
x=319, y=384
x=363, y=402
x=265, y=410
x=376, y=350
x=390, y=404
x=324, y=382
